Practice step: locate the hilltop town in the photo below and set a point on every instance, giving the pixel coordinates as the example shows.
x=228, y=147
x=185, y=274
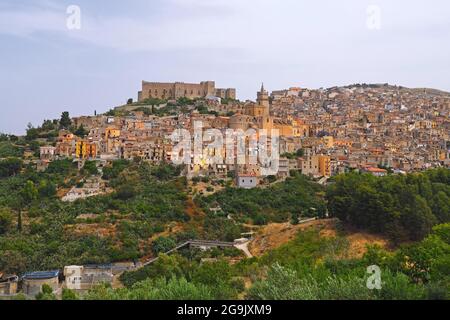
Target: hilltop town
x=324, y=132
x=98, y=206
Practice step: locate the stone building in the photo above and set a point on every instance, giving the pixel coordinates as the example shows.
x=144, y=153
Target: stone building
x=32, y=282
x=85, y=149
x=177, y=90
x=85, y=277
x=246, y=181
x=47, y=152
x=8, y=285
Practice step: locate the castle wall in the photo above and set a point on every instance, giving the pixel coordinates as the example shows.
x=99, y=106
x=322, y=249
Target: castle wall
x=178, y=90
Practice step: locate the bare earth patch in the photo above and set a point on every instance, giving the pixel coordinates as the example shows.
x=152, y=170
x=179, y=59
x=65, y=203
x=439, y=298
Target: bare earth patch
x=99, y=229
x=276, y=234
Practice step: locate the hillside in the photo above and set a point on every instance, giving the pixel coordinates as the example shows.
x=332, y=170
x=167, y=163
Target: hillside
x=274, y=235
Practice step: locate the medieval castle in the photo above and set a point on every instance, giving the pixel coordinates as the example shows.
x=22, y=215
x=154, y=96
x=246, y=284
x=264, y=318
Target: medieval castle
x=180, y=89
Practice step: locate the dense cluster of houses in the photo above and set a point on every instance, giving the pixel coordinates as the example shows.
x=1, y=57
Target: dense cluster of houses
x=366, y=128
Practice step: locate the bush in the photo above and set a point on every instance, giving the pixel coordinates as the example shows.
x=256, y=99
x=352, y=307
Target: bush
x=163, y=244
x=90, y=167
x=10, y=167
x=68, y=294
x=6, y=220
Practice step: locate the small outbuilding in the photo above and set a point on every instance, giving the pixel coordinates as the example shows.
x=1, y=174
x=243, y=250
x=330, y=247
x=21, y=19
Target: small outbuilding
x=8, y=284
x=246, y=181
x=32, y=282
x=84, y=277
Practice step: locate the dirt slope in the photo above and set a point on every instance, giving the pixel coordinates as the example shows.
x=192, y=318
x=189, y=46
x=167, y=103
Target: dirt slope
x=276, y=234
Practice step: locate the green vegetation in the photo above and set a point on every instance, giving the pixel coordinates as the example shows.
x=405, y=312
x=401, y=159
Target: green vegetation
x=9, y=149
x=309, y=267
x=44, y=238
x=297, y=195
x=228, y=100
x=90, y=167
x=46, y=293
x=149, y=211
x=294, y=155
x=65, y=122
x=167, y=110
x=81, y=132
x=10, y=167
x=402, y=207
x=202, y=109
x=163, y=244
x=6, y=220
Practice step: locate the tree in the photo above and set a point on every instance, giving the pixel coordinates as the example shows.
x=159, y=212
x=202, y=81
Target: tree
x=166, y=171
x=61, y=167
x=32, y=133
x=130, y=101
x=27, y=196
x=163, y=244
x=295, y=218
x=46, y=188
x=46, y=293
x=6, y=220
x=158, y=289
x=13, y=262
x=126, y=192
x=81, y=131
x=8, y=149
x=441, y=206
x=29, y=193
x=68, y=294
x=35, y=147
x=48, y=125
x=65, y=121
x=401, y=207
x=90, y=167
x=10, y=167
x=4, y=137
x=419, y=218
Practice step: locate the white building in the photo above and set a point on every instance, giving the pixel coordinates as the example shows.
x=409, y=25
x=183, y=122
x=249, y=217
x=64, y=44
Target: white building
x=246, y=181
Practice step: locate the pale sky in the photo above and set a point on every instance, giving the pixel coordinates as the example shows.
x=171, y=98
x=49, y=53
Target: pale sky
x=47, y=68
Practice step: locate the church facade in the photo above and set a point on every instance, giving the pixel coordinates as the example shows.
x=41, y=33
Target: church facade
x=258, y=116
